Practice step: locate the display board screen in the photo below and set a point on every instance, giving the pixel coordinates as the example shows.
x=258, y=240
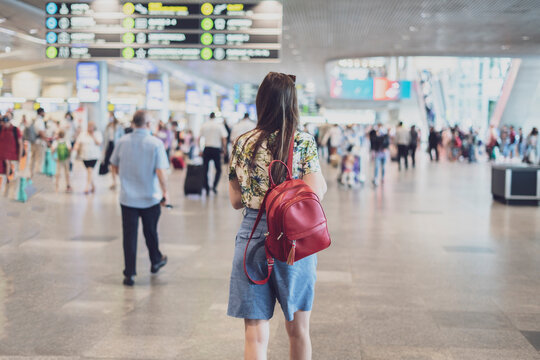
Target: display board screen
x=154, y=95
x=163, y=30
x=193, y=101
x=370, y=89
x=88, y=81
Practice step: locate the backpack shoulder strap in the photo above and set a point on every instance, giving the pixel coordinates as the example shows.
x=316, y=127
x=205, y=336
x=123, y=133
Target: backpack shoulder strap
x=291, y=153
x=269, y=258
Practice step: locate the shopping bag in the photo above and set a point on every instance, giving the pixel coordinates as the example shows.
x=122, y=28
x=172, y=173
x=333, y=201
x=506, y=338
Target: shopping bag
x=103, y=168
x=21, y=193
x=30, y=189
x=49, y=165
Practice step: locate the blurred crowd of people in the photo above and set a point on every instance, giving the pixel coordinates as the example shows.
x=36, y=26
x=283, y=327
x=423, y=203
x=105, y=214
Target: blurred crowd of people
x=42, y=145
x=507, y=143
x=343, y=144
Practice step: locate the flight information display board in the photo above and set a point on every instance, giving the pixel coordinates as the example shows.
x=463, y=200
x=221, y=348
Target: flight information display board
x=163, y=30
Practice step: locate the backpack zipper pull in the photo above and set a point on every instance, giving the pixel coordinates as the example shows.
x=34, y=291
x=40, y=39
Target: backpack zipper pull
x=292, y=253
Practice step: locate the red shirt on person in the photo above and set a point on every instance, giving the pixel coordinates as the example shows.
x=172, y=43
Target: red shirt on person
x=8, y=143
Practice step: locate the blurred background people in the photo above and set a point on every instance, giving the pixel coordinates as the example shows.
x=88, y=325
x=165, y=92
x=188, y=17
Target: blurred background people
x=402, y=140
x=36, y=136
x=531, y=153
x=413, y=144
x=88, y=148
x=164, y=134
x=242, y=127
x=11, y=148
x=214, y=134
x=62, y=148
x=382, y=143
x=433, y=143
x=113, y=133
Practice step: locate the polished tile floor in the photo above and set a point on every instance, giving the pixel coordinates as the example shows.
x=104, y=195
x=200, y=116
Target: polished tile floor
x=424, y=267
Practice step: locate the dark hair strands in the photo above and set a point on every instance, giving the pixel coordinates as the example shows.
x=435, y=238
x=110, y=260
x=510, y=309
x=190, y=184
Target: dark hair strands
x=277, y=110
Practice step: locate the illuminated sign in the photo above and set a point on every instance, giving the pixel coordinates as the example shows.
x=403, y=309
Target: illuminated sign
x=88, y=81
x=241, y=108
x=227, y=106
x=252, y=110
x=193, y=101
x=154, y=95
x=380, y=89
x=163, y=30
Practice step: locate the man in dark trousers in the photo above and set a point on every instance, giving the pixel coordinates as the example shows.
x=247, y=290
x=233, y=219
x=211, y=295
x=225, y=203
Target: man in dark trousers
x=140, y=161
x=433, y=141
x=402, y=139
x=215, y=142
x=413, y=144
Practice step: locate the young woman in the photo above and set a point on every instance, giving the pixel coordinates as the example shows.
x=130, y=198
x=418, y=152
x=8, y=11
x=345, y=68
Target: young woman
x=166, y=136
x=293, y=286
x=113, y=133
x=88, y=148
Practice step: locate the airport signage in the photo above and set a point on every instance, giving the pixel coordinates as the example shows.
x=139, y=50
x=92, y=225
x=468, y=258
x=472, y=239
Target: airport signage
x=88, y=81
x=379, y=89
x=163, y=30
x=155, y=97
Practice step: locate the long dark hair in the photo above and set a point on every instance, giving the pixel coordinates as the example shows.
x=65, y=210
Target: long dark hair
x=277, y=110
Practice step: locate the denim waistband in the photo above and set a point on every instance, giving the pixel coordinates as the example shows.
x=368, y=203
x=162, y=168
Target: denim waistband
x=251, y=213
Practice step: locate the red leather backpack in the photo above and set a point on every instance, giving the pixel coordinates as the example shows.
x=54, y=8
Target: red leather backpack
x=297, y=225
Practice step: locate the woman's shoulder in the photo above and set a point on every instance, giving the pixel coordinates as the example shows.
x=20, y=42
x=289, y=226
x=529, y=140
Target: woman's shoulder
x=304, y=139
x=248, y=137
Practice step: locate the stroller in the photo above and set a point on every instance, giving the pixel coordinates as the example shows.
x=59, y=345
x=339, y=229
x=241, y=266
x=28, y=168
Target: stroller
x=350, y=170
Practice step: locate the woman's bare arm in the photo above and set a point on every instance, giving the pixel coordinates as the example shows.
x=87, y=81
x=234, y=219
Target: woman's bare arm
x=316, y=181
x=235, y=194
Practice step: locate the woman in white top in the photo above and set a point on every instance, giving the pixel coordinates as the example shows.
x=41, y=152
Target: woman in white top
x=113, y=133
x=88, y=146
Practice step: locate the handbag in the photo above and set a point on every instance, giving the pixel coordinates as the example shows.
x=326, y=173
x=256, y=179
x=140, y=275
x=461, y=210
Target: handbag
x=103, y=168
x=297, y=225
x=49, y=165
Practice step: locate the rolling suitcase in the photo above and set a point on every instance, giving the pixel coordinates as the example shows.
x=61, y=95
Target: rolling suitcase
x=194, y=182
x=178, y=162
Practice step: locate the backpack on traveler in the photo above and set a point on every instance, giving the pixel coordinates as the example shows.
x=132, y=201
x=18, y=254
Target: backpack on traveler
x=30, y=134
x=297, y=225
x=62, y=151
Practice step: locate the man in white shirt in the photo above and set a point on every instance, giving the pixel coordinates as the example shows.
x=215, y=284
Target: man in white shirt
x=242, y=127
x=403, y=139
x=334, y=139
x=38, y=141
x=215, y=139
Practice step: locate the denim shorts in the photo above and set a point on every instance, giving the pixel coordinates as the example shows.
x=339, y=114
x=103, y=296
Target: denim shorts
x=292, y=285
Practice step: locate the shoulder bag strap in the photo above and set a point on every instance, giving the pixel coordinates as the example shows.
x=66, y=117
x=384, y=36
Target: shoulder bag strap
x=291, y=151
x=269, y=259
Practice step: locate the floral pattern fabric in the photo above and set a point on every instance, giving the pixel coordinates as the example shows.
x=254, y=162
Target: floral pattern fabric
x=255, y=182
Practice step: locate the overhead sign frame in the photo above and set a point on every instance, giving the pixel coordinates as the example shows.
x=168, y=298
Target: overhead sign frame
x=152, y=30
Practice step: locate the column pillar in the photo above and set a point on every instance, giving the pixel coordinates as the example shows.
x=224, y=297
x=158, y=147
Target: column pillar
x=103, y=117
x=165, y=111
x=97, y=112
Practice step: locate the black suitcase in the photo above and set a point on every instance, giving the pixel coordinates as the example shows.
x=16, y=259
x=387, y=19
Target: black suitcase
x=194, y=182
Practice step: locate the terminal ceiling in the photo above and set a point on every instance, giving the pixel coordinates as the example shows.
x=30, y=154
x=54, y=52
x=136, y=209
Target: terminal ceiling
x=315, y=31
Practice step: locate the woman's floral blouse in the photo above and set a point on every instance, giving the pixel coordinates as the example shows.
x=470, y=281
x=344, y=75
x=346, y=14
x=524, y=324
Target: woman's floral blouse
x=254, y=183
